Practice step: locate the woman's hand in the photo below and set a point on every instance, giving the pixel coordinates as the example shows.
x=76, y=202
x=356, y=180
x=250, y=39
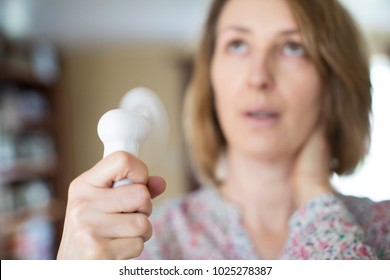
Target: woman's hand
x=109, y=223
x=312, y=169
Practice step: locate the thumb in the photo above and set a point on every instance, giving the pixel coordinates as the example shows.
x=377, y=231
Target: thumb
x=156, y=186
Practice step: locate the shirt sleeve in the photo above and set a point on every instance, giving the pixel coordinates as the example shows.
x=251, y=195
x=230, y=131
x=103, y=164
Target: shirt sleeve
x=164, y=242
x=325, y=229
x=377, y=224
x=151, y=251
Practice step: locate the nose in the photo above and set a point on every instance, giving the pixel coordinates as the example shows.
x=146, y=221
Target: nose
x=260, y=76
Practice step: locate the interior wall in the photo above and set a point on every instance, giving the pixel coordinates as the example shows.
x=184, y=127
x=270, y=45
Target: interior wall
x=94, y=81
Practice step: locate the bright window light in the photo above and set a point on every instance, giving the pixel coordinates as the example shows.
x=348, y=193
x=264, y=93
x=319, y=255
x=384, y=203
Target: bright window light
x=15, y=19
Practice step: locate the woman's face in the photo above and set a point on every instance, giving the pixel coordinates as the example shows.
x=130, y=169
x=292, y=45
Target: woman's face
x=266, y=88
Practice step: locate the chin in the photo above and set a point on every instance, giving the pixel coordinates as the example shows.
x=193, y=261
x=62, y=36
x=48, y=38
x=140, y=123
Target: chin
x=268, y=150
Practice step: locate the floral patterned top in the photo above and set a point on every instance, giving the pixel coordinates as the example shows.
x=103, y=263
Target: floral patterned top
x=203, y=225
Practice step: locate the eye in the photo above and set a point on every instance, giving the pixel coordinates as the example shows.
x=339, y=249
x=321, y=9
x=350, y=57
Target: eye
x=237, y=47
x=293, y=49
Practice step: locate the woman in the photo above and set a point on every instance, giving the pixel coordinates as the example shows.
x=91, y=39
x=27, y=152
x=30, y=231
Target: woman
x=279, y=101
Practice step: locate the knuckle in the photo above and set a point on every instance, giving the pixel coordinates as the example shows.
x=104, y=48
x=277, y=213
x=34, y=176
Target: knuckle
x=122, y=158
x=74, y=188
x=96, y=252
x=142, y=222
x=78, y=213
x=93, y=248
x=79, y=190
x=142, y=194
x=149, y=232
x=131, y=164
x=138, y=247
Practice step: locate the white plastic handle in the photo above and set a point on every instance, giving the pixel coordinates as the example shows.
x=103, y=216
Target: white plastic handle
x=141, y=119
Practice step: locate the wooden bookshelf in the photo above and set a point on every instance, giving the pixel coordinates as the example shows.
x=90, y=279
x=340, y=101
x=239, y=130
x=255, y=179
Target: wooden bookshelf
x=30, y=208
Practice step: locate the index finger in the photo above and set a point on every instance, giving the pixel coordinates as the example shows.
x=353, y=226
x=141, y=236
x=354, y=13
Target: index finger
x=115, y=167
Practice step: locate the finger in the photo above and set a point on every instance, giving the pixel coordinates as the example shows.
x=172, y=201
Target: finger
x=123, y=225
x=156, y=186
x=126, y=248
x=127, y=199
x=115, y=167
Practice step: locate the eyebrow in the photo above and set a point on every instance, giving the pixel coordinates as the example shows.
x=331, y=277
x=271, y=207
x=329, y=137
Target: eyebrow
x=234, y=28
x=242, y=29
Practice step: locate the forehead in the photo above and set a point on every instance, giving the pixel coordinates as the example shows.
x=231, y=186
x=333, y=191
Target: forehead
x=268, y=16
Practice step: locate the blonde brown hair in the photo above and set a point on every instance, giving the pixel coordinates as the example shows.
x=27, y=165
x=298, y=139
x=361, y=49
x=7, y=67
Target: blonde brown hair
x=335, y=46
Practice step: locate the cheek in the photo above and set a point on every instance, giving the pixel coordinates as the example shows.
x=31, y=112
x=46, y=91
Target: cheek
x=302, y=95
x=225, y=83
x=300, y=82
x=227, y=74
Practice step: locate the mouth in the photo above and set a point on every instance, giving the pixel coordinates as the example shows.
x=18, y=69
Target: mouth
x=262, y=116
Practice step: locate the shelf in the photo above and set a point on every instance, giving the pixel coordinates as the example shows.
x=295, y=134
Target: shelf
x=29, y=174
x=11, y=221
x=21, y=76
x=47, y=124
x=24, y=169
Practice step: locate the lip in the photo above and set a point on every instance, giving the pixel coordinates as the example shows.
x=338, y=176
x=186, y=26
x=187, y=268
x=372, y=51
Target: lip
x=261, y=116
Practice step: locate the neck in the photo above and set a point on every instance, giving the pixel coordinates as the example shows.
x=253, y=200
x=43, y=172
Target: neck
x=260, y=188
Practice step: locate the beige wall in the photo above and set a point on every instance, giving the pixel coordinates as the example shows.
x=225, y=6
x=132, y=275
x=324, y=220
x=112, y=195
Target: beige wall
x=94, y=81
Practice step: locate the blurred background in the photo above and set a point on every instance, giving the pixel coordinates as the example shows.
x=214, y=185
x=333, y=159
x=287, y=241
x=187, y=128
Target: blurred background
x=64, y=63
